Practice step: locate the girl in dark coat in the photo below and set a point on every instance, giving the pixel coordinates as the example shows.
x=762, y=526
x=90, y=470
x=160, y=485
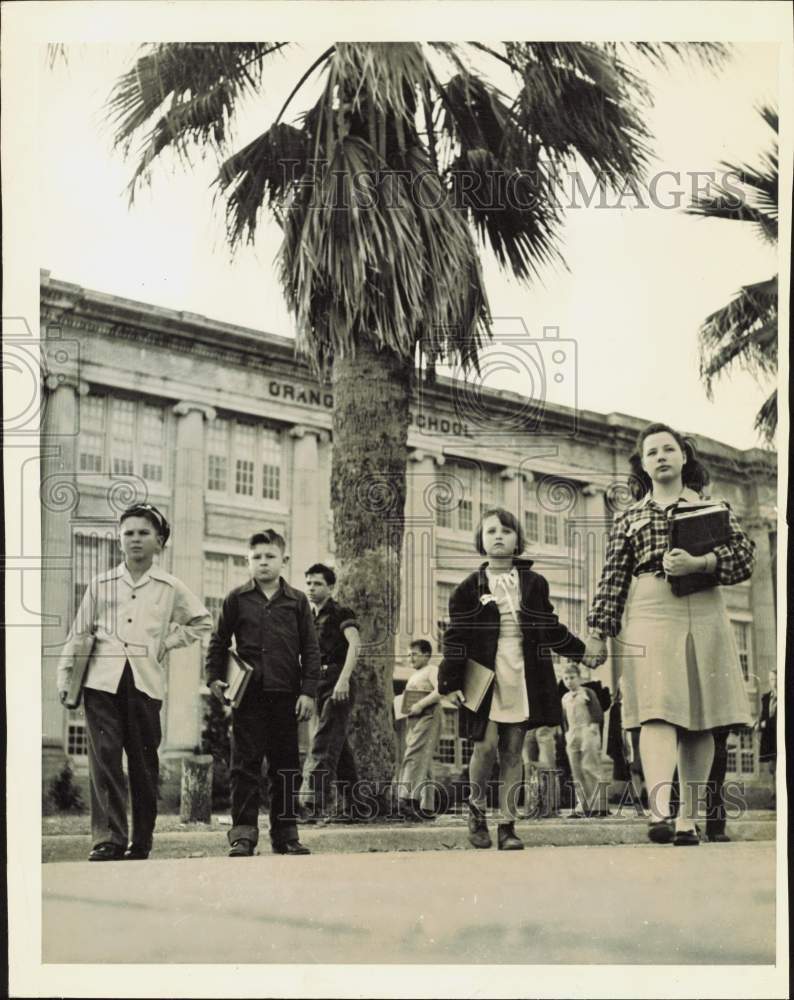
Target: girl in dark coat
x=501, y=617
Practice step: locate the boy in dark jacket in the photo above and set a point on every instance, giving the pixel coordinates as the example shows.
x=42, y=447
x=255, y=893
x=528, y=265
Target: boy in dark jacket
x=271, y=624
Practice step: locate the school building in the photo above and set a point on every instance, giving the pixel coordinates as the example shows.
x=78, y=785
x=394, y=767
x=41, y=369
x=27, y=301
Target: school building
x=226, y=432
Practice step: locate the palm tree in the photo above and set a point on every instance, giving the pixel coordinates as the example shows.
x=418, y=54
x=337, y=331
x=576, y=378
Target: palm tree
x=744, y=332
x=385, y=189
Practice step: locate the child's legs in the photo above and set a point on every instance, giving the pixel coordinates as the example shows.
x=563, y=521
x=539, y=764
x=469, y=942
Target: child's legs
x=105, y=731
x=419, y=743
x=695, y=754
x=658, y=751
x=481, y=764
x=511, y=768
x=591, y=766
x=577, y=772
x=248, y=750
x=715, y=802
x=281, y=748
x=142, y=736
x=321, y=763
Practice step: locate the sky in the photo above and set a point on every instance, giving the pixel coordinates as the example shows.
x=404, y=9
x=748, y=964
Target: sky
x=639, y=281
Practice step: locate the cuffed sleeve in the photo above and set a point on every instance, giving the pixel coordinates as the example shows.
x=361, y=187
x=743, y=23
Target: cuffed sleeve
x=309, y=650
x=191, y=621
x=82, y=628
x=606, y=611
x=221, y=641
x=735, y=559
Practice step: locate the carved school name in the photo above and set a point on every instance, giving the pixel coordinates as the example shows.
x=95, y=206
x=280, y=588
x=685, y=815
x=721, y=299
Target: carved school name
x=318, y=397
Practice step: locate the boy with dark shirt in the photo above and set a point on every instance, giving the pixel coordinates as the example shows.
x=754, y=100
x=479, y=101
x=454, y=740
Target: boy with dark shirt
x=330, y=757
x=271, y=624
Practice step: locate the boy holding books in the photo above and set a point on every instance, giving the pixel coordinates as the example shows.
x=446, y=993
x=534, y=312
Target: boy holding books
x=271, y=625
x=137, y=613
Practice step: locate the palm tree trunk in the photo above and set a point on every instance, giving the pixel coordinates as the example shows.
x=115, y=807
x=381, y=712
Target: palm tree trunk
x=370, y=426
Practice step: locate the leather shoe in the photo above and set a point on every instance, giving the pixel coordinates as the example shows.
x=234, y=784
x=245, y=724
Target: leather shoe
x=290, y=847
x=660, y=831
x=136, y=853
x=686, y=838
x=106, y=852
x=242, y=848
x=718, y=838
x=478, y=828
x=506, y=838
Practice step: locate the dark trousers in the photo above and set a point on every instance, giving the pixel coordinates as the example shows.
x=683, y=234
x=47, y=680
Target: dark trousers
x=264, y=726
x=127, y=721
x=715, y=803
x=330, y=757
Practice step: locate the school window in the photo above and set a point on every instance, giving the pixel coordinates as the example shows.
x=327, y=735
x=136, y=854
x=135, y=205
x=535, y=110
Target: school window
x=741, y=634
x=92, y=433
x=153, y=443
x=221, y=574
x=217, y=458
x=531, y=526
x=76, y=735
x=465, y=522
x=742, y=754
x=445, y=751
x=551, y=529
x=122, y=436
x=490, y=490
x=91, y=554
x=244, y=451
x=271, y=464
x=443, y=594
x=244, y=460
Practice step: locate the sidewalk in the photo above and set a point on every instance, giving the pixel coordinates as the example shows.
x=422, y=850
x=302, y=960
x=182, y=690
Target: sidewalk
x=67, y=838
x=600, y=905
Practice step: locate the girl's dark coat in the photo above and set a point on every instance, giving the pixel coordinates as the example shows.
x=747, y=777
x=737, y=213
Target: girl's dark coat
x=473, y=633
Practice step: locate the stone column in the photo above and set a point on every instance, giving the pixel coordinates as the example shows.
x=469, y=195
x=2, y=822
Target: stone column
x=183, y=710
x=59, y=501
x=305, y=541
x=419, y=562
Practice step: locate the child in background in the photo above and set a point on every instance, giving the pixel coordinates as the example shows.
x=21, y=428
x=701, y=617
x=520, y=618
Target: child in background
x=423, y=727
x=582, y=717
x=137, y=613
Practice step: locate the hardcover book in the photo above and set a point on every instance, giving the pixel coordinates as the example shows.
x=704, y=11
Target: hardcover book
x=238, y=674
x=698, y=528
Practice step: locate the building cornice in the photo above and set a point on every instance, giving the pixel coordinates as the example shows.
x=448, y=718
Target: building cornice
x=113, y=317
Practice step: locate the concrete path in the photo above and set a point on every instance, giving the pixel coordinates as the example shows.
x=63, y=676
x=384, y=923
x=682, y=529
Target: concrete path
x=713, y=904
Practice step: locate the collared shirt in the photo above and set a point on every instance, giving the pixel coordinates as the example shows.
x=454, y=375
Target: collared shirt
x=330, y=623
x=639, y=539
x=577, y=708
x=137, y=621
x=275, y=636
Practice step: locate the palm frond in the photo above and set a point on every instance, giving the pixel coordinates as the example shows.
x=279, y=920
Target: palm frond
x=194, y=88
x=262, y=174
x=711, y=54
x=397, y=266
x=744, y=331
x=766, y=418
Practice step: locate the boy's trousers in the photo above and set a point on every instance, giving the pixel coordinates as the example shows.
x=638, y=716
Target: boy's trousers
x=128, y=721
x=264, y=726
x=329, y=749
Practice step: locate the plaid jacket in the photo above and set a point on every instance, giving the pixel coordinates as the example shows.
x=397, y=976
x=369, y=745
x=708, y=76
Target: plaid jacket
x=638, y=540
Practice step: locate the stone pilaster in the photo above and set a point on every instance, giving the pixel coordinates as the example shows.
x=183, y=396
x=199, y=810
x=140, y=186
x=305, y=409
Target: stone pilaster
x=183, y=708
x=305, y=542
x=59, y=501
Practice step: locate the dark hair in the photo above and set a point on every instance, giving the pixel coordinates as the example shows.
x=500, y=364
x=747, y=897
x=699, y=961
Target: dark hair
x=508, y=520
x=267, y=537
x=152, y=515
x=694, y=474
x=423, y=646
x=324, y=571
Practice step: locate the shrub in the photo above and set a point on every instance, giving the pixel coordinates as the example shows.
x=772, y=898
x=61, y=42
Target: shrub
x=64, y=792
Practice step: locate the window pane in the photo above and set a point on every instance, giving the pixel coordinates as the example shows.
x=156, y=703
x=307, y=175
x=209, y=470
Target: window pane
x=92, y=433
x=122, y=435
x=443, y=593
x=531, y=525
x=244, y=452
x=92, y=554
x=76, y=736
x=152, y=446
x=217, y=455
x=550, y=529
x=214, y=582
x=465, y=516
x=271, y=464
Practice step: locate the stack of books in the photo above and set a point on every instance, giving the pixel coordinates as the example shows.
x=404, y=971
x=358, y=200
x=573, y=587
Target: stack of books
x=698, y=528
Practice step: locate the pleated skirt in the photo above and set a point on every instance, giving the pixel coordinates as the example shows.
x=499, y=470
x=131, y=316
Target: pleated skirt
x=679, y=659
